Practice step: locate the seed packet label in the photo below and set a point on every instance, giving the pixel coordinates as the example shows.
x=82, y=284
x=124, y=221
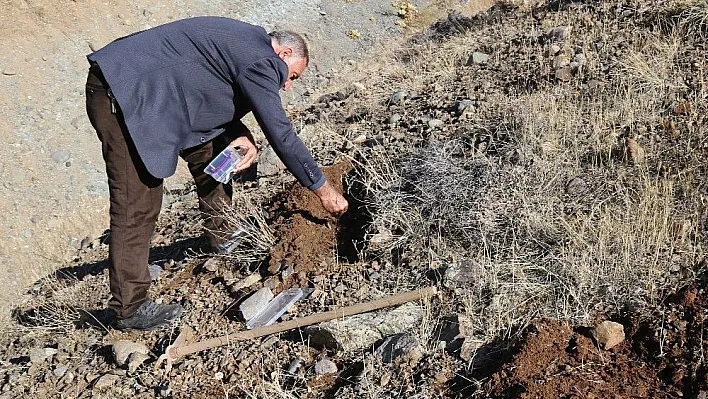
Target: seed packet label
x=222, y=167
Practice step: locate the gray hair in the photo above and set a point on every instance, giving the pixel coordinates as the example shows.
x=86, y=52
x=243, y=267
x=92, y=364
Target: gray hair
x=294, y=41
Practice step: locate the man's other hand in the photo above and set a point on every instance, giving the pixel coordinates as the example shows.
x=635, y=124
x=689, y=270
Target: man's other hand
x=332, y=201
x=249, y=153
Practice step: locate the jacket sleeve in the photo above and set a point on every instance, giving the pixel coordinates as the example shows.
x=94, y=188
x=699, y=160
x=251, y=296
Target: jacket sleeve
x=260, y=84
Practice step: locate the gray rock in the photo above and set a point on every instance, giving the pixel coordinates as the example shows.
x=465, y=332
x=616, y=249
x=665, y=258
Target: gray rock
x=268, y=163
x=60, y=371
x=135, y=360
x=106, y=381
x=564, y=74
x=559, y=33
x=155, y=271
x=211, y=265
x=554, y=49
x=164, y=391
x=123, y=349
x=255, y=303
x=295, y=366
x=463, y=106
x=435, y=123
x=608, y=334
x=394, y=119
x=325, y=366
x=61, y=156
x=38, y=355
x=576, y=186
x=361, y=331
x=400, y=347
x=464, y=274
x=478, y=58
x=399, y=96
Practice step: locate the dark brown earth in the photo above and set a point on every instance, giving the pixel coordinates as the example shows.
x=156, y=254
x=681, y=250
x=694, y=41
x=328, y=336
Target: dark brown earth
x=661, y=358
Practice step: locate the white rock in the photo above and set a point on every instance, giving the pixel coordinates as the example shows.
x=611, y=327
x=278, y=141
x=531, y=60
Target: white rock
x=124, y=348
x=325, y=366
x=255, y=303
x=106, y=381
x=60, y=371
x=608, y=334
x=135, y=360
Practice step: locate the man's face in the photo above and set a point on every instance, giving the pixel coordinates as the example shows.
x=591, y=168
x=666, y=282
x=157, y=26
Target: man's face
x=296, y=66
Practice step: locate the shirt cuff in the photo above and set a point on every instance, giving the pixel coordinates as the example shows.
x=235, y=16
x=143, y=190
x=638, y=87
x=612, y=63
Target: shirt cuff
x=318, y=184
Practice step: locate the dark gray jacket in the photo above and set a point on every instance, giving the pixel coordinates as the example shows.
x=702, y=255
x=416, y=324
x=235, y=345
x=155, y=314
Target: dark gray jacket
x=180, y=83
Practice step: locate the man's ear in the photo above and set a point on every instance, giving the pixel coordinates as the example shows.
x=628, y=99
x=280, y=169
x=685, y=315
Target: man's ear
x=285, y=52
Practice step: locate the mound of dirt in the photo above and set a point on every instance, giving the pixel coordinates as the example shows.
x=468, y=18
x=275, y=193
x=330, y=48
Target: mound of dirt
x=660, y=359
x=306, y=231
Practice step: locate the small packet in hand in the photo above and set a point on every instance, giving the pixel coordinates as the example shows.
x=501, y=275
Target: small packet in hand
x=224, y=164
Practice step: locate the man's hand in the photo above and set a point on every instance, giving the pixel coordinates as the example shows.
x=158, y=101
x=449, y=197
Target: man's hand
x=332, y=201
x=248, y=152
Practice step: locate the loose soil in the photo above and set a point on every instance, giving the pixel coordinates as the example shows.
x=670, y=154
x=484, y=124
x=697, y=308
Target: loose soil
x=661, y=357
x=306, y=231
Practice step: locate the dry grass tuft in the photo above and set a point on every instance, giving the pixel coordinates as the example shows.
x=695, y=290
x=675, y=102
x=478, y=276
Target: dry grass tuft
x=252, y=237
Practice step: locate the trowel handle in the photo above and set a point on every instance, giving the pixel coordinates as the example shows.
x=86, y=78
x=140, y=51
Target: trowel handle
x=394, y=300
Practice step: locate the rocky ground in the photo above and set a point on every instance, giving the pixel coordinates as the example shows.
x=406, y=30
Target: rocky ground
x=54, y=191
x=542, y=164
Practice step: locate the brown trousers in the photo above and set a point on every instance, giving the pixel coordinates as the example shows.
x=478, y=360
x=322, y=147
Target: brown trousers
x=136, y=197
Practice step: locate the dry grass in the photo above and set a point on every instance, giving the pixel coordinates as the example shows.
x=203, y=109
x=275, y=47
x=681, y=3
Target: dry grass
x=626, y=240
x=253, y=237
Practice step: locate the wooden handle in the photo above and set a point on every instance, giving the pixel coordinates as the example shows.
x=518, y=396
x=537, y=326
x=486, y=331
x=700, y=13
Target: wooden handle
x=394, y=300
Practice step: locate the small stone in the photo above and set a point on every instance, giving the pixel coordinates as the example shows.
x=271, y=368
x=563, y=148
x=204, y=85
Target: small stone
x=559, y=33
x=211, y=265
x=576, y=186
x=155, y=271
x=295, y=366
x=608, y=334
x=40, y=354
x=60, y=371
x=554, y=49
x=325, y=366
x=246, y=281
x=399, y=96
x=435, y=123
x=400, y=347
x=564, y=74
x=464, y=274
x=9, y=71
x=340, y=288
x=255, y=303
x=394, y=119
x=93, y=45
x=135, y=360
x=106, y=381
x=477, y=58
x=463, y=106
x=123, y=349
x=594, y=83
x=633, y=152
x=359, y=139
x=163, y=391
x=561, y=61
x=61, y=156
x=287, y=272
x=385, y=379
